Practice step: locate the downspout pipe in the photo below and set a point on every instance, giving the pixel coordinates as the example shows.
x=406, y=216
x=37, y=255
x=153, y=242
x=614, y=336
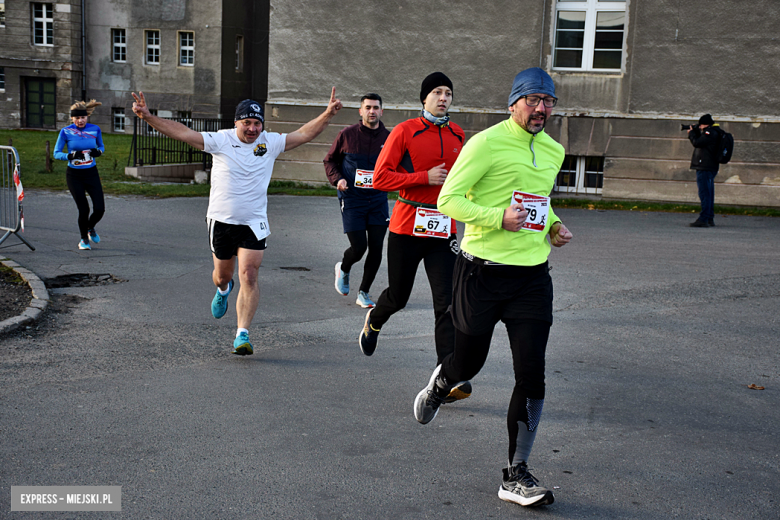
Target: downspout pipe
x=83, y=53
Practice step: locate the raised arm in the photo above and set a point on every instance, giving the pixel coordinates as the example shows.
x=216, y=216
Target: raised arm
x=314, y=127
x=167, y=127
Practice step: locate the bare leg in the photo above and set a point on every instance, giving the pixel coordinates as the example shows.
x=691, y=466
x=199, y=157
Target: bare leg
x=223, y=271
x=249, y=262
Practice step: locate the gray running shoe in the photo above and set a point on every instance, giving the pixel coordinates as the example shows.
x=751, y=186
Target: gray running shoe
x=430, y=398
x=522, y=488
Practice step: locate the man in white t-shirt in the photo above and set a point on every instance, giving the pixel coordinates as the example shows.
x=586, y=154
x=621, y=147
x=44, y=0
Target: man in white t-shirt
x=238, y=224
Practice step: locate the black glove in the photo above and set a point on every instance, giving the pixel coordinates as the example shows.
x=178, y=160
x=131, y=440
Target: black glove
x=75, y=155
x=94, y=152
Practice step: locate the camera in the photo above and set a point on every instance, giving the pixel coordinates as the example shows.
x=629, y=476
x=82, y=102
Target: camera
x=684, y=127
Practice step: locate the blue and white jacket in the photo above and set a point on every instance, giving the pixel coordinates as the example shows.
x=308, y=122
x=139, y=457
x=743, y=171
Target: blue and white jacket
x=79, y=140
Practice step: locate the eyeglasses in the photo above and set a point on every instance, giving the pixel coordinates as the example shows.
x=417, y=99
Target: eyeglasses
x=533, y=101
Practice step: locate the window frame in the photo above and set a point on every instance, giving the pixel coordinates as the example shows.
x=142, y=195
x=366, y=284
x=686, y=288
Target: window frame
x=152, y=47
x=2, y=13
x=188, y=48
x=2, y=79
x=239, y=53
x=47, y=24
x=591, y=8
x=118, y=116
x=581, y=173
x=118, y=46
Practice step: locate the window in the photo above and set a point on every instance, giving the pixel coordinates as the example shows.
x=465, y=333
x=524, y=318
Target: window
x=589, y=35
x=2, y=78
x=186, y=49
x=43, y=24
x=118, y=117
x=580, y=175
x=152, y=47
x=239, y=53
x=2, y=13
x=119, y=39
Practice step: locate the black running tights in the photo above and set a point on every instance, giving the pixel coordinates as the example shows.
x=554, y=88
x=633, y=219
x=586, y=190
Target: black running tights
x=359, y=241
x=528, y=341
x=83, y=182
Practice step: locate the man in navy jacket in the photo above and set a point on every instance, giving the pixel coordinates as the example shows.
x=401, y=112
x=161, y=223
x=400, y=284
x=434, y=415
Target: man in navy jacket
x=349, y=166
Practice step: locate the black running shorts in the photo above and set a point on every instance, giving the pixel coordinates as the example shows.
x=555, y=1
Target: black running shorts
x=483, y=295
x=225, y=239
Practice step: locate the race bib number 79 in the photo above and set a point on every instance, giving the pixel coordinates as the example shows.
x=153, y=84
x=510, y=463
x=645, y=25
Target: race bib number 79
x=538, y=208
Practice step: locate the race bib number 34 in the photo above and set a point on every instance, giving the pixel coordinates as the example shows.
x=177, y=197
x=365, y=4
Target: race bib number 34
x=431, y=223
x=538, y=208
x=364, y=179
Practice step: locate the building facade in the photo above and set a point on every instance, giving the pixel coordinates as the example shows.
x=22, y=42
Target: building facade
x=192, y=58
x=627, y=75
x=41, y=64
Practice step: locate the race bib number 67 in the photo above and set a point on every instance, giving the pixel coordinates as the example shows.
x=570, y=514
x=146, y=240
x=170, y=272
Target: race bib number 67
x=431, y=223
x=538, y=208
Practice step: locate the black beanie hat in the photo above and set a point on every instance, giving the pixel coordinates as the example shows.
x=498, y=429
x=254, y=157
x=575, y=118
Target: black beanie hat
x=706, y=119
x=249, y=109
x=437, y=79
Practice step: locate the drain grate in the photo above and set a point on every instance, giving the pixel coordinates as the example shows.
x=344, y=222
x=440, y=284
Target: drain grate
x=81, y=280
x=295, y=268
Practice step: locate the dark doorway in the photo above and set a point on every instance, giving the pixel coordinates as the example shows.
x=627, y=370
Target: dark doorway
x=41, y=103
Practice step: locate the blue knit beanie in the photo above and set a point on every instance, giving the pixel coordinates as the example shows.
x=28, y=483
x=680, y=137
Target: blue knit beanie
x=531, y=81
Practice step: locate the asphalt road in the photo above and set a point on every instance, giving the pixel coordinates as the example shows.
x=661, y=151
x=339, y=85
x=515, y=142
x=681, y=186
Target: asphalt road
x=659, y=329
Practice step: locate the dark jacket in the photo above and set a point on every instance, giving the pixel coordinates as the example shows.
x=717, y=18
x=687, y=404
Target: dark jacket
x=356, y=147
x=705, y=148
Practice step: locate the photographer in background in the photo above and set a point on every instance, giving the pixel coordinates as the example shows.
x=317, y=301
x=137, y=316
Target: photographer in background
x=705, y=139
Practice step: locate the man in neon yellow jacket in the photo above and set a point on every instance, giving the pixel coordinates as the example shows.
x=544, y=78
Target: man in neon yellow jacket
x=500, y=187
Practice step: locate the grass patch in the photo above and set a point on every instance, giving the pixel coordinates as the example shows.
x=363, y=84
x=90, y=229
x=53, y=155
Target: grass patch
x=8, y=275
x=627, y=205
x=31, y=145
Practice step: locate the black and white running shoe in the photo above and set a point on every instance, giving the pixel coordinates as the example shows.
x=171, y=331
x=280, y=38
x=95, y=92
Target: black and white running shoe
x=522, y=488
x=369, y=336
x=430, y=398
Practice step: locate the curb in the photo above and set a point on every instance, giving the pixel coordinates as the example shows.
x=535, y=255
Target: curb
x=38, y=304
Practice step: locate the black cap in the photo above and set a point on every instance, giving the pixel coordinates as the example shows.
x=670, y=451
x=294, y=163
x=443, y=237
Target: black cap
x=437, y=79
x=249, y=109
x=706, y=119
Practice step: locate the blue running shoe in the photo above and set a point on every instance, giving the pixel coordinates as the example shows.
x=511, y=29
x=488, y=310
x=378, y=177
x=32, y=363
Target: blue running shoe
x=364, y=300
x=219, y=305
x=342, y=281
x=84, y=244
x=242, y=346
x=94, y=236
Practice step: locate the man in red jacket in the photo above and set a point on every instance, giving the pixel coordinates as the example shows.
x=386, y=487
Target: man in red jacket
x=415, y=160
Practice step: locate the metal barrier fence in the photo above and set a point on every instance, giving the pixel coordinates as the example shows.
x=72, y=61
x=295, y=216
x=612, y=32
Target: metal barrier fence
x=11, y=195
x=150, y=147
